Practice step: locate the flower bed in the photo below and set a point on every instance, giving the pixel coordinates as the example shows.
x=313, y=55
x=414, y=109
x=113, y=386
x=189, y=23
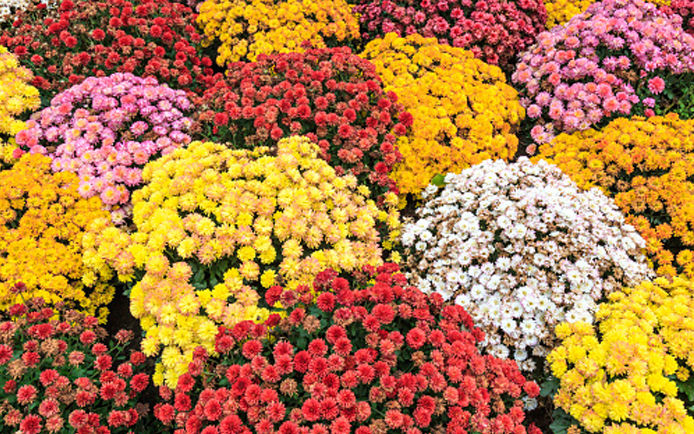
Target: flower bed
x=364, y=359
x=216, y=228
x=82, y=38
x=331, y=96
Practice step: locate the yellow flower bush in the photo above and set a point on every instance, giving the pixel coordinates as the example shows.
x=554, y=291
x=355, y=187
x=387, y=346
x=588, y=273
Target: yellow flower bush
x=42, y=221
x=217, y=227
x=646, y=166
x=16, y=97
x=561, y=11
x=464, y=112
x=620, y=378
x=246, y=29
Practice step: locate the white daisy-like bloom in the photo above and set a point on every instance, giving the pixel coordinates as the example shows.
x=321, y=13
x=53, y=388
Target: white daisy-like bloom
x=529, y=404
x=526, y=246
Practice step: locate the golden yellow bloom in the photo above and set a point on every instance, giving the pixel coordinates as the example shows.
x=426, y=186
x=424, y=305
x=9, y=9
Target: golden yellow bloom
x=42, y=221
x=17, y=96
x=246, y=29
x=464, y=112
x=617, y=377
x=269, y=223
x=646, y=165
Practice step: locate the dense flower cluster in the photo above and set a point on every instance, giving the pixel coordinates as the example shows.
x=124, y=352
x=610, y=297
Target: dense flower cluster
x=463, y=110
x=376, y=358
x=16, y=98
x=42, y=220
x=496, y=31
x=622, y=375
x=58, y=374
x=105, y=130
x=245, y=30
x=522, y=248
x=82, y=38
x=217, y=227
x=646, y=166
x=685, y=9
x=620, y=57
x=329, y=95
x=561, y=11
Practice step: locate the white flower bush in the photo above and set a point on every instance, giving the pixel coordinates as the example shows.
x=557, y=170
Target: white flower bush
x=9, y=7
x=522, y=248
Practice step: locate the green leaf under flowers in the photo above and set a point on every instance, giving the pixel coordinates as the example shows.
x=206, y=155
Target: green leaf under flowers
x=549, y=387
x=561, y=421
x=438, y=180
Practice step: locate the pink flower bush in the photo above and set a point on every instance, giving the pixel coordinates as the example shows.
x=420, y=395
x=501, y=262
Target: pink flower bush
x=620, y=57
x=494, y=30
x=105, y=130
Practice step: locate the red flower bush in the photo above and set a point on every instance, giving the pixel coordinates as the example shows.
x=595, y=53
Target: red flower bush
x=63, y=45
x=494, y=30
x=330, y=95
x=364, y=359
x=56, y=374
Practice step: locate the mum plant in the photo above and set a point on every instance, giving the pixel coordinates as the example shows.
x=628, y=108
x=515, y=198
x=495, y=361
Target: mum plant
x=105, y=130
x=76, y=39
x=463, y=111
x=331, y=96
x=42, y=221
x=364, y=358
x=244, y=31
x=522, y=248
x=495, y=31
x=618, y=58
x=631, y=370
x=215, y=228
x=60, y=374
x=646, y=166
x=17, y=97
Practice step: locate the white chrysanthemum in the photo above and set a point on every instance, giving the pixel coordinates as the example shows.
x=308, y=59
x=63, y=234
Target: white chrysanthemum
x=526, y=247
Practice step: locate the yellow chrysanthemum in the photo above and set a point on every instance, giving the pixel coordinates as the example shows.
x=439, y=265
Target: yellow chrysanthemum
x=42, y=221
x=617, y=377
x=646, y=165
x=17, y=96
x=246, y=29
x=464, y=112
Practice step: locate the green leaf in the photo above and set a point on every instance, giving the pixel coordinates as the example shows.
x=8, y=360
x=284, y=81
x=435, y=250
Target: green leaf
x=561, y=421
x=559, y=426
x=687, y=387
x=549, y=387
x=438, y=180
